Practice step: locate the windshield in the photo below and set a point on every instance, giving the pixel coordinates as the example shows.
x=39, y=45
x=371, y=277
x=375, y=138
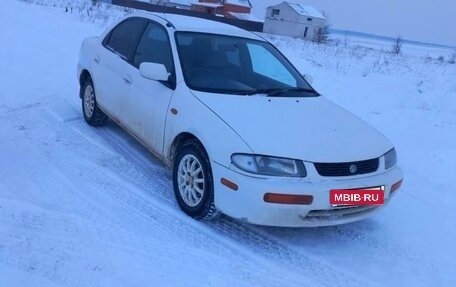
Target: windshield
x=232, y=65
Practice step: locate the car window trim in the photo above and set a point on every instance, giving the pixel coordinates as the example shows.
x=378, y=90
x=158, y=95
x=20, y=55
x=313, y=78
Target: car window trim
x=117, y=53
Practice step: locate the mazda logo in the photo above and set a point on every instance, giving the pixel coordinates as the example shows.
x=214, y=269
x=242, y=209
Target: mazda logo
x=353, y=168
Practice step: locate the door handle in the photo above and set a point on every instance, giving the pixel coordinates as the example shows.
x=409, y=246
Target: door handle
x=97, y=60
x=127, y=79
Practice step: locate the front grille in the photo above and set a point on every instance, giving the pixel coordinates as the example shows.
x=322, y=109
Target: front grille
x=347, y=168
x=340, y=212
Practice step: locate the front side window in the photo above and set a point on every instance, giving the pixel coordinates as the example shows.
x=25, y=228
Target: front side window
x=233, y=65
x=124, y=37
x=154, y=47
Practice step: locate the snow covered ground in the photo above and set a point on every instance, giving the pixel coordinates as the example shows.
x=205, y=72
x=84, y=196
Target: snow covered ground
x=90, y=207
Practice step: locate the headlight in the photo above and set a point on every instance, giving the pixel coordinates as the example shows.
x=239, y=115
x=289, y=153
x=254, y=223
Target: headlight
x=390, y=159
x=266, y=165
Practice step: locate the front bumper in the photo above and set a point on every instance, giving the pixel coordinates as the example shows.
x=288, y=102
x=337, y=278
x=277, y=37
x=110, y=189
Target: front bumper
x=247, y=203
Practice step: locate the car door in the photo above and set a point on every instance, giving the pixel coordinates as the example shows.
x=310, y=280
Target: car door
x=111, y=83
x=149, y=100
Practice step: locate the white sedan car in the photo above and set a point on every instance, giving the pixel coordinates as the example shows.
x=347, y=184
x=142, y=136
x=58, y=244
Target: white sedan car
x=243, y=131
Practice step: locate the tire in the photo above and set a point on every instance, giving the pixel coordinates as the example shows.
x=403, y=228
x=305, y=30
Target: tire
x=193, y=182
x=92, y=113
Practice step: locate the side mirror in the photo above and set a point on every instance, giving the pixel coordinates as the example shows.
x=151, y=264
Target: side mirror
x=154, y=71
x=308, y=78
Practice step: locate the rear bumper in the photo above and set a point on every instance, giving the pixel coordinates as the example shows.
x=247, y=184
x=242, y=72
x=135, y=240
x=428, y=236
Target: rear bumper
x=247, y=203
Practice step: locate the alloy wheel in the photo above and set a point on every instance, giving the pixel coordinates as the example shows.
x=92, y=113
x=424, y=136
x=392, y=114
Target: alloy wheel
x=191, y=181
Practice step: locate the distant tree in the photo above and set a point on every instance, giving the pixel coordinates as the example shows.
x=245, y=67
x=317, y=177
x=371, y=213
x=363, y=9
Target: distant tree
x=397, y=45
x=321, y=35
x=453, y=59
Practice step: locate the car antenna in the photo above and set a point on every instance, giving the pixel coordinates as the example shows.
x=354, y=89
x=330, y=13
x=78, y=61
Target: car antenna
x=168, y=23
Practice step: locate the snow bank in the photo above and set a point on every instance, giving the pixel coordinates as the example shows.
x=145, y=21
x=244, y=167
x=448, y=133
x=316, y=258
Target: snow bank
x=85, y=10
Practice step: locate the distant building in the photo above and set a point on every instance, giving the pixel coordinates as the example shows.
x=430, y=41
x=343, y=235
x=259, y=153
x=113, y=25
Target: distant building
x=243, y=16
x=182, y=4
x=237, y=6
x=227, y=8
x=208, y=7
x=295, y=20
x=236, y=9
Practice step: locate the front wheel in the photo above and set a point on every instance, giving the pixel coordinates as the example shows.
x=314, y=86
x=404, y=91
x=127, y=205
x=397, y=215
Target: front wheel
x=193, y=183
x=93, y=115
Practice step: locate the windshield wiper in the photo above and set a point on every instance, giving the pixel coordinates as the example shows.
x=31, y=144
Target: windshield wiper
x=275, y=92
x=279, y=92
x=258, y=92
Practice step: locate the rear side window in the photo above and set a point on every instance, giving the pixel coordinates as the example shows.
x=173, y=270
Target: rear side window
x=124, y=37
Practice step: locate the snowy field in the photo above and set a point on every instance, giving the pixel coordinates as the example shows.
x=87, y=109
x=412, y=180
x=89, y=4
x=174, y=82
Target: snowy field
x=81, y=206
x=408, y=47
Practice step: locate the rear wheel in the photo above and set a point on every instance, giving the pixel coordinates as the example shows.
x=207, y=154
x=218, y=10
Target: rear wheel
x=193, y=183
x=92, y=113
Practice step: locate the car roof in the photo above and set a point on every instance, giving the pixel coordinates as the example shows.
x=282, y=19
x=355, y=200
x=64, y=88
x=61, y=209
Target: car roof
x=195, y=24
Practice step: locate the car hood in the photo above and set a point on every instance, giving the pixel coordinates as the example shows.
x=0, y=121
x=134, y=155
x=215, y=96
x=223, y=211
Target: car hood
x=311, y=128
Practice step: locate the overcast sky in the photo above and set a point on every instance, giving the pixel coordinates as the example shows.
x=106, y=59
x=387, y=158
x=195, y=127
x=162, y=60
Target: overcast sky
x=432, y=21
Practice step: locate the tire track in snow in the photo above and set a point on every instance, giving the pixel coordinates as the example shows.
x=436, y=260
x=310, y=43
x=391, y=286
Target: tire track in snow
x=77, y=163
x=131, y=161
x=57, y=255
x=162, y=221
x=48, y=238
x=138, y=171
x=135, y=169
x=137, y=166
x=80, y=167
